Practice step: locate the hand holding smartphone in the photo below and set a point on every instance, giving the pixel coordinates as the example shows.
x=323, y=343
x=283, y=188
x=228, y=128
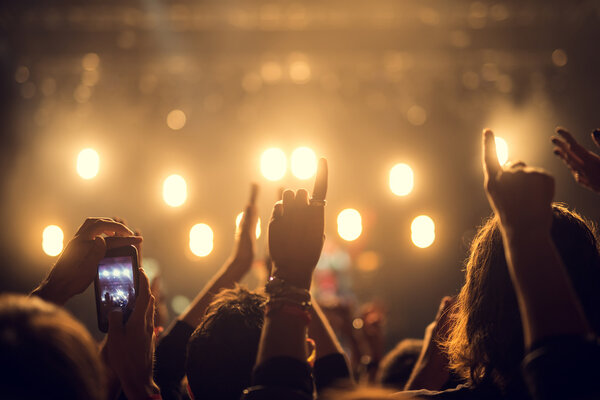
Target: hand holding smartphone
x=116, y=284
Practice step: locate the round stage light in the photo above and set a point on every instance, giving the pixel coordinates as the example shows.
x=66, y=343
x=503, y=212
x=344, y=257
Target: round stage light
x=349, y=224
x=273, y=164
x=201, y=240
x=423, y=231
x=52, y=240
x=174, y=190
x=304, y=163
x=401, y=179
x=238, y=219
x=176, y=119
x=88, y=163
x=501, y=150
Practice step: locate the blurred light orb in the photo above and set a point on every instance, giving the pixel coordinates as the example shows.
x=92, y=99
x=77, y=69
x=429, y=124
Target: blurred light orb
x=368, y=261
x=416, y=115
x=423, y=231
x=402, y=179
x=300, y=72
x=559, y=58
x=273, y=164
x=349, y=224
x=179, y=304
x=52, y=240
x=22, y=74
x=238, y=220
x=88, y=163
x=501, y=150
x=201, y=240
x=358, y=323
x=176, y=119
x=304, y=163
x=271, y=72
x=90, y=61
x=174, y=190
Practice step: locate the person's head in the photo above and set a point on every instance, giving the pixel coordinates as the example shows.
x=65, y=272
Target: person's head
x=45, y=353
x=222, y=350
x=486, y=340
x=397, y=365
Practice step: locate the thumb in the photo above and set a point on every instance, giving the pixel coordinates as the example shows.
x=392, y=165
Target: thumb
x=96, y=252
x=115, y=323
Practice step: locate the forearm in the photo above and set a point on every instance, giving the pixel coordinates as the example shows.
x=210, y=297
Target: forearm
x=283, y=335
x=50, y=294
x=430, y=372
x=229, y=274
x=547, y=301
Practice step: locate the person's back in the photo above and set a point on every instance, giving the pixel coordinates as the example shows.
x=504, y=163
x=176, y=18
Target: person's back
x=45, y=353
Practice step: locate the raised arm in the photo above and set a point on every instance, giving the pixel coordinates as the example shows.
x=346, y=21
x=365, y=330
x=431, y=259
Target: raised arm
x=522, y=196
x=234, y=268
x=171, y=350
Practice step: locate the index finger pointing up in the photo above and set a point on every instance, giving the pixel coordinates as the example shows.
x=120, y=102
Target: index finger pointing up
x=320, y=189
x=253, y=193
x=491, y=165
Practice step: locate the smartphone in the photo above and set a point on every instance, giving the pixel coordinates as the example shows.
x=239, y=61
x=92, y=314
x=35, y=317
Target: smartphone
x=116, y=284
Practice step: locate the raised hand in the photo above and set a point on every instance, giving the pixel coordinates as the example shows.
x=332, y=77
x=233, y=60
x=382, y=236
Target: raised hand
x=296, y=231
x=78, y=264
x=521, y=196
x=245, y=236
x=584, y=164
x=129, y=348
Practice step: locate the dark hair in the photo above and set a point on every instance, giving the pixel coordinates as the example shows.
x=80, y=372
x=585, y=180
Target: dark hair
x=45, y=353
x=486, y=340
x=397, y=365
x=222, y=350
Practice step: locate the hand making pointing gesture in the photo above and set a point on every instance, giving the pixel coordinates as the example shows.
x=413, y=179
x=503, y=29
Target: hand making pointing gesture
x=296, y=231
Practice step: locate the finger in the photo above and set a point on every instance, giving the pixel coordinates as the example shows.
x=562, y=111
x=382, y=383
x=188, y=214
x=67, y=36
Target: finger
x=150, y=314
x=143, y=297
x=253, y=194
x=301, y=199
x=277, y=210
x=320, y=188
x=95, y=254
x=574, y=147
x=571, y=160
x=120, y=220
x=89, y=221
x=115, y=323
x=280, y=193
x=288, y=200
x=491, y=165
x=113, y=242
x=566, y=135
x=596, y=137
x=100, y=226
x=516, y=164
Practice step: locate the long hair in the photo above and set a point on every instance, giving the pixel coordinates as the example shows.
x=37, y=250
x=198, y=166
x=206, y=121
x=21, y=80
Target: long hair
x=486, y=340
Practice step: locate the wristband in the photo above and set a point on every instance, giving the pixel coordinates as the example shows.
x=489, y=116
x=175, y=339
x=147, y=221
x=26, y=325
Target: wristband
x=289, y=309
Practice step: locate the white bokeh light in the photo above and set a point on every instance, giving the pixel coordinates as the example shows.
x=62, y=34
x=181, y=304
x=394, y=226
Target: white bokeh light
x=174, y=190
x=88, y=163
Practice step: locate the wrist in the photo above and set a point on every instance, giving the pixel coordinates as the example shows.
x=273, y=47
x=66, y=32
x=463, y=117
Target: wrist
x=49, y=292
x=297, y=280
